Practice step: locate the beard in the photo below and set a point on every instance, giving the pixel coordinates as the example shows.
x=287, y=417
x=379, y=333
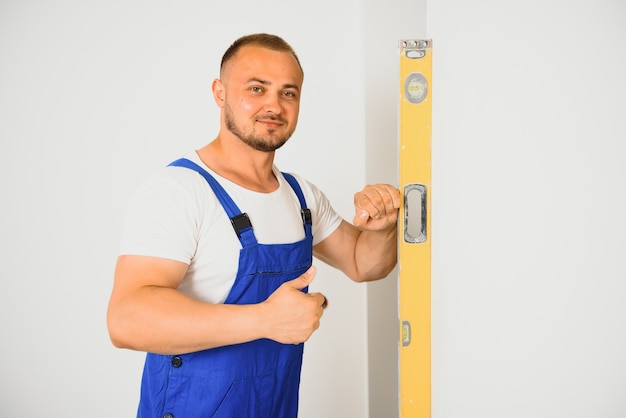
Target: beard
x=258, y=142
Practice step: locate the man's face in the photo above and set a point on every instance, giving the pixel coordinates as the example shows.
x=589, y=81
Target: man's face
x=262, y=97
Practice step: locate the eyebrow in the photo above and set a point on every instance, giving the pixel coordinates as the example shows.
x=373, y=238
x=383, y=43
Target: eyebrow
x=267, y=83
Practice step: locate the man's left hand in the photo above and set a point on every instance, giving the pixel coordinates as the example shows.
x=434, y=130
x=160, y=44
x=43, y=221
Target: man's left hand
x=376, y=207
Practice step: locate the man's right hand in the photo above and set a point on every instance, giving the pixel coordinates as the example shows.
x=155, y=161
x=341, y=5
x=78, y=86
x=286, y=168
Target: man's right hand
x=291, y=315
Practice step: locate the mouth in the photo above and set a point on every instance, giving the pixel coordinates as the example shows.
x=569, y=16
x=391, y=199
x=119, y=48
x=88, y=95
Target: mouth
x=271, y=121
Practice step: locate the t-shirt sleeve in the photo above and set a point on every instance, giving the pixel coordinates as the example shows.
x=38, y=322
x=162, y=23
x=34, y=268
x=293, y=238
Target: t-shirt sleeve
x=160, y=220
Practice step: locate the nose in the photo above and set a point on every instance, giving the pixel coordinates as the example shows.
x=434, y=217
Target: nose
x=272, y=104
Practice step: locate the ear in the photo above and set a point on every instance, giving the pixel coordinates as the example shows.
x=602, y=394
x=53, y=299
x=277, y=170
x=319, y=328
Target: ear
x=219, y=92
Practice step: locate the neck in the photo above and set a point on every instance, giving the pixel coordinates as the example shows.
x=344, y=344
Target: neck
x=241, y=164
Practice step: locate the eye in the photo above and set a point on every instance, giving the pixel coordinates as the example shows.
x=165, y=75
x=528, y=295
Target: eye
x=256, y=89
x=289, y=93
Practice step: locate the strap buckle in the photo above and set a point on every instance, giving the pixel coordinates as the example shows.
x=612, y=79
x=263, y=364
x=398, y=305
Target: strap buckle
x=240, y=222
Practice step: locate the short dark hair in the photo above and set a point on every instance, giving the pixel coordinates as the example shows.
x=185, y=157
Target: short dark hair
x=265, y=40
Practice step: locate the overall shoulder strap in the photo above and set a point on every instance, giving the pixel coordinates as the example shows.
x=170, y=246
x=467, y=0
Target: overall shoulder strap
x=305, y=212
x=240, y=221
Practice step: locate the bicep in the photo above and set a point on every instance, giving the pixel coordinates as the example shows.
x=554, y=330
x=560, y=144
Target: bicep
x=133, y=272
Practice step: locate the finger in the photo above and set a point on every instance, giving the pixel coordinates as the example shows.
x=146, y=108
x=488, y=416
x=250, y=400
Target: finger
x=371, y=202
x=390, y=198
x=305, y=279
x=393, y=201
x=361, y=217
x=363, y=207
x=378, y=200
x=368, y=211
x=322, y=301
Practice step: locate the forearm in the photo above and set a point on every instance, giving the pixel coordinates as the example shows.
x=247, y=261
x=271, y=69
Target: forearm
x=165, y=321
x=147, y=312
x=375, y=254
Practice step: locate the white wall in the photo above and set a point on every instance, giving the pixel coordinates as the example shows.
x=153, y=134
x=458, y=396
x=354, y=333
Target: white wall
x=94, y=96
x=528, y=225
x=528, y=208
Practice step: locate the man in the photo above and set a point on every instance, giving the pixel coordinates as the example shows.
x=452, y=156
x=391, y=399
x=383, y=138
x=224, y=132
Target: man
x=217, y=254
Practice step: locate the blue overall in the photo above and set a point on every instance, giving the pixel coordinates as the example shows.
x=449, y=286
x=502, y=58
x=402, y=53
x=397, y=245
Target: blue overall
x=256, y=379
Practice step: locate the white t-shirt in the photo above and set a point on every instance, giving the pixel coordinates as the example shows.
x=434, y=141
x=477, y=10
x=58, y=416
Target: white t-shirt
x=175, y=215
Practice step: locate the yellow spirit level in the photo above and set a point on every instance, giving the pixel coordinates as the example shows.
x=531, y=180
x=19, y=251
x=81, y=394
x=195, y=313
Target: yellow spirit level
x=415, y=235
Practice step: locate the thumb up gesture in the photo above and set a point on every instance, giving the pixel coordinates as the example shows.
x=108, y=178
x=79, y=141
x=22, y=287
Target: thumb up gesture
x=292, y=315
